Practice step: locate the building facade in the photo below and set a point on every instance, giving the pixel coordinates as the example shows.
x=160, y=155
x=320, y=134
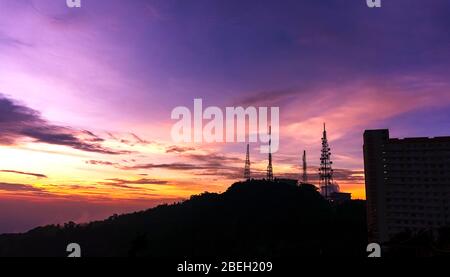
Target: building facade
x=407, y=184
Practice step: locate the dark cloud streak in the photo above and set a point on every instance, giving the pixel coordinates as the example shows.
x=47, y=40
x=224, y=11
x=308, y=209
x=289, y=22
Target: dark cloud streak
x=19, y=188
x=18, y=122
x=38, y=175
x=178, y=149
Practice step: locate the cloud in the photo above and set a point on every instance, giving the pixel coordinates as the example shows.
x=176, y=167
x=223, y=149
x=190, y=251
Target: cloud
x=122, y=183
x=143, y=181
x=25, y=173
x=349, y=175
x=19, y=188
x=271, y=98
x=13, y=42
x=18, y=122
x=170, y=166
x=47, y=192
x=91, y=137
x=207, y=169
x=196, y=162
x=209, y=164
x=229, y=173
x=140, y=140
x=339, y=175
x=130, y=139
x=178, y=149
x=94, y=162
x=213, y=159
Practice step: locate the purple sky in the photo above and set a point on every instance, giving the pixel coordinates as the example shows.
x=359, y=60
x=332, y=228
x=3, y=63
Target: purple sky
x=78, y=84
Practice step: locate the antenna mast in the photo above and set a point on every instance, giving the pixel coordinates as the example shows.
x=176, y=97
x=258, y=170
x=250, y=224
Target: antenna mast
x=269, y=167
x=305, y=169
x=325, y=170
x=247, y=172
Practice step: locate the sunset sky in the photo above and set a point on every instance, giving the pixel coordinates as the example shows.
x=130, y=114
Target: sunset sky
x=86, y=94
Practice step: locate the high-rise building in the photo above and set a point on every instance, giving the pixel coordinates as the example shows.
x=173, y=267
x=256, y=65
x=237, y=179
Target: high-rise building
x=407, y=184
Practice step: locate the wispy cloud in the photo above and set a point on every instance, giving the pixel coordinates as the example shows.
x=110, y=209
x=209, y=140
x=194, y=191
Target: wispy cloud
x=213, y=158
x=140, y=140
x=18, y=122
x=95, y=162
x=125, y=183
x=19, y=188
x=130, y=139
x=271, y=98
x=170, y=166
x=179, y=149
x=340, y=175
x=25, y=173
x=13, y=42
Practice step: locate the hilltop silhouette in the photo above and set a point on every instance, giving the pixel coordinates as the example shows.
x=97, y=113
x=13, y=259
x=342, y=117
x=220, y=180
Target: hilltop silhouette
x=256, y=218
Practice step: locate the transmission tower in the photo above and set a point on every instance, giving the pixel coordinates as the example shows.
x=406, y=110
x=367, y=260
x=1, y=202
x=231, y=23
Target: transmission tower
x=305, y=169
x=269, y=167
x=325, y=170
x=247, y=173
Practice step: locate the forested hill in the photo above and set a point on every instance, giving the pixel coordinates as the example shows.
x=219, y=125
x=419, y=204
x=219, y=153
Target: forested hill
x=251, y=219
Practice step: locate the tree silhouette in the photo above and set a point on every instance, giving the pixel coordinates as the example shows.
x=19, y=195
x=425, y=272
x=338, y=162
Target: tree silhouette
x=256, y=218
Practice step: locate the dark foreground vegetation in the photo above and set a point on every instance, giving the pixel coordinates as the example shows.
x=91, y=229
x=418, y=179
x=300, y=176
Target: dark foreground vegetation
x=251, y=219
